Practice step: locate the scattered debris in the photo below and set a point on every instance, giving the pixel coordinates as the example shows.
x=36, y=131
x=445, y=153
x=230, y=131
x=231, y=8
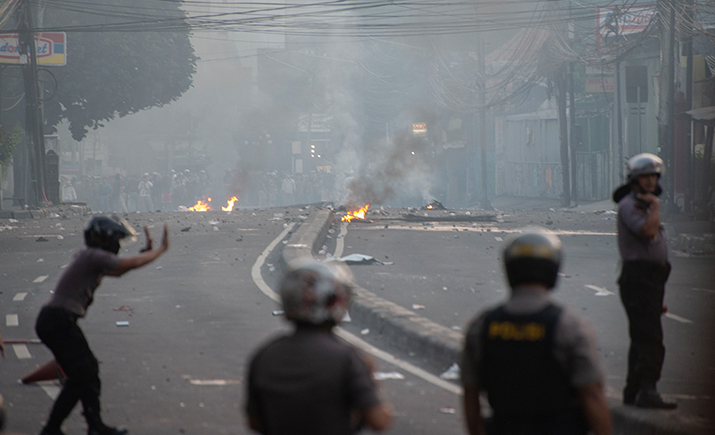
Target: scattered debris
x=278, y=313
x=447, y=411
x=434, y=205
x=123, y=323
x=59, y=237
x=123, y=308
x=359, y=259
x=365, y=331
x=184, y=230
x=381, y=376
x=213, y=222
x=40, y=260
x=215, y=228
x=418, y=307
x=13, y=221
x=41, y=239
x=214, y=382
x=451, y=373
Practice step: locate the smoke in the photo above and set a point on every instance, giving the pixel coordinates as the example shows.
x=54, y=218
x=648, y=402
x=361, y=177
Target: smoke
x=400, y=170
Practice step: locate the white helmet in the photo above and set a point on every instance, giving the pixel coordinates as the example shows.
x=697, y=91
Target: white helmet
x=316, y=293
x=644, y=164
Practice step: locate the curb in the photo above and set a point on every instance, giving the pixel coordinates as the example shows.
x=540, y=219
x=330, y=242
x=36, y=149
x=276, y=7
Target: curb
x=401, y=327
x=441, y=345
x=64, y=209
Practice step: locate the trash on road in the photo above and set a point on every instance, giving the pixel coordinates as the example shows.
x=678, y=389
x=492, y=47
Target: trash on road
x=451, y=373
x=41, y=239
x=123, y=323
x=359, y=259
x=213, y=222
x=123, y=308
x=59, y=237
x=13, y=221
x=418, y=307
x=214, y=382
x=184, y=230
x=278, y=312
x=365, y=331
x=381, y=376
x=447, y=411
x=215, y=228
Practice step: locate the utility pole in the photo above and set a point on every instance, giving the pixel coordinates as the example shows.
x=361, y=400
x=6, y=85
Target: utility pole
x=563, y=134
x=33, y=114
x=666, y=95
x=486, y=205
x=688, y=48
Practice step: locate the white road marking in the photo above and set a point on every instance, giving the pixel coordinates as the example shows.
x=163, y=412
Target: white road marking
x=12, y=320
x=704, y=290
x=498, y=239
x=40, y=278
x=51, y=388
x=600, y=291
x=678, y=318
x=350, y=338
x=256, y=269
x=20, y=296
x=214, y=382
x=340, y=242
x=21, y=351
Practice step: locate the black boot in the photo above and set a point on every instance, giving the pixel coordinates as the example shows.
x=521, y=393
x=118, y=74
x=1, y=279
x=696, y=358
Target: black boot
x=650, y=398
x=50, y=431
x=97, y=426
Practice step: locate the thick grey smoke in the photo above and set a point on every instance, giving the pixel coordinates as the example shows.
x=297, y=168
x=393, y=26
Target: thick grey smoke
x=400, y=170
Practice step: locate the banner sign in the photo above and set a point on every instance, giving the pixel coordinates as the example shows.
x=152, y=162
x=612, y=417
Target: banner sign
x=600, y=84
x=51, y=48
x=612, y=21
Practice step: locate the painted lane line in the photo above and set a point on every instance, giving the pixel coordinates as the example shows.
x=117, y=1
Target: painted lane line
x=256, y=269
x=51, y=389
x=20, y=296
x=678, y=318
x=340, y=243
x=600, y=291
x=350, y=338
x=12, y=320
x=40, y=278
x=21, y=351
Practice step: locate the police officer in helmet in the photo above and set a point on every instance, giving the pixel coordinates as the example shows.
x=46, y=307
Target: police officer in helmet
x=536, y=361
x=310, y=382
x=645, y=270
x=57, y=322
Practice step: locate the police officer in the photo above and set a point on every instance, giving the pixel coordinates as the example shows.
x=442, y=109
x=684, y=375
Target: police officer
x=644, y=252
x=310, y=382
x=536, y=361
x=57, y=322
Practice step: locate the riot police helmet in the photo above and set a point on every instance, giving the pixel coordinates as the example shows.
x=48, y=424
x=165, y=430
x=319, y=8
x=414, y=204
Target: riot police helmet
x=644, y=164
x=316, y=293
x=532, y=255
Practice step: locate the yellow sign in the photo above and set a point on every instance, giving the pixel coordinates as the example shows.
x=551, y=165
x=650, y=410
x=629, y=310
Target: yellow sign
x=51, y=48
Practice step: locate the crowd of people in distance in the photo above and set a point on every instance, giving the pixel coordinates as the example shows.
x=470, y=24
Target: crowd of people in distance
x=137, y=193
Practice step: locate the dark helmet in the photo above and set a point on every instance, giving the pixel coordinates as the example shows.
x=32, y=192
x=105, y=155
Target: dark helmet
x=105, y=233
x=644, y=164
x=532, y=256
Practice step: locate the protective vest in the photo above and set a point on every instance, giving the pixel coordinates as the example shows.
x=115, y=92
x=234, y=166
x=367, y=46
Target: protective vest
x=527, y=388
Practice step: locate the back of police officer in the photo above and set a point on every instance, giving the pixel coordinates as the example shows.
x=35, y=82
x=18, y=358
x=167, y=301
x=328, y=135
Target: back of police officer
x=536, y=361
x=644, y=252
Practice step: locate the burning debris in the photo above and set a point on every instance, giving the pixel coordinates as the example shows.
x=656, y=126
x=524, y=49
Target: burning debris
x=356, y=214
x=205, y=205
x=434, y=205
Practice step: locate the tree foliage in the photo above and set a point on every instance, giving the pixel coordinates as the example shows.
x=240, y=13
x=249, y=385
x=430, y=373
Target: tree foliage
x=8, y=144
x=114, y=73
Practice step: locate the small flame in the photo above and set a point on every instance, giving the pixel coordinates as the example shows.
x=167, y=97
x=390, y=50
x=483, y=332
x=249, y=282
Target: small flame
x=355, y=214
x=430, y=207
x=230, y=203
x=202, y=206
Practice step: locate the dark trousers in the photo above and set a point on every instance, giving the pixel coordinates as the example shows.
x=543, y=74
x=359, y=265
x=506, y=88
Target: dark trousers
x=58, y=329
x=642, y=287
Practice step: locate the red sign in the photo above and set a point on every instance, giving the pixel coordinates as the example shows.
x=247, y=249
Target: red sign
x=51, y=48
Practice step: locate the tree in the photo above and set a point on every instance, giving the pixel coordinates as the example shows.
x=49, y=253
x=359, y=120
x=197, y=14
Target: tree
x=116, y=63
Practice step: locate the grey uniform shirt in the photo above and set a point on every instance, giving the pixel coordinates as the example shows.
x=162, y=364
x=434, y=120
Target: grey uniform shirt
x=575, y=344
x=75, y=289
x=307, y=383
x=632, y=214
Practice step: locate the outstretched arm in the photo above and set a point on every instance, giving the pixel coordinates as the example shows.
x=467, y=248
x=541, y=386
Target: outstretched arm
x=146, y=256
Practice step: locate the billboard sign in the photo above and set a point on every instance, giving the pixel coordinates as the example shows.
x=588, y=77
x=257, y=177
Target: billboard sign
x=51, y=48
x=612, y=21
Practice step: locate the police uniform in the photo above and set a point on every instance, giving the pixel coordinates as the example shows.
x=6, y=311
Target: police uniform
x=642, y=287
x=530, y=355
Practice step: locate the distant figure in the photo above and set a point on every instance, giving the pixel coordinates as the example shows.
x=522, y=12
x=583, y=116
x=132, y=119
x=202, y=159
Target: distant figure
x=644, y=250
x=145, y=202
x=105, y=193
x=68, y=192
x=288, y=190
x=57, y=322
x=311, y=382
x=536, y=361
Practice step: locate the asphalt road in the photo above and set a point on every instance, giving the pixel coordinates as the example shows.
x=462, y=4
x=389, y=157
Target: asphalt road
x=449, y=272
x=195, y=316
